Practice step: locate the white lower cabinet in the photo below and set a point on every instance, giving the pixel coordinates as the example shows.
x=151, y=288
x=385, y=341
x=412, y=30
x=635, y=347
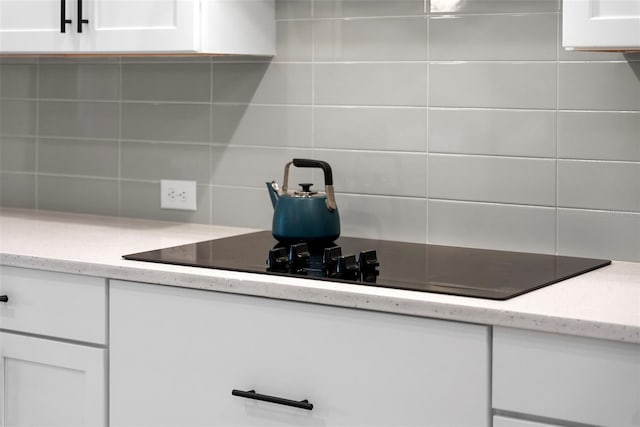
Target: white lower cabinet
x=51, y=383
x=176, y=355
x=53, y=360
x=565, y=379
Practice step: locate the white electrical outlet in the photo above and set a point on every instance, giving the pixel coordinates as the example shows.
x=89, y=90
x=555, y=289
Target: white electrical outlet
x=178, y=195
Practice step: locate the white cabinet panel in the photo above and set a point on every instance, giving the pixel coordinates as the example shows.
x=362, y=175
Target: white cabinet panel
x=55, y=304
x=569, y=378
x=601, y=24
x=27, y=24
x=137, y=27
x=177, y=354
x=49, y=383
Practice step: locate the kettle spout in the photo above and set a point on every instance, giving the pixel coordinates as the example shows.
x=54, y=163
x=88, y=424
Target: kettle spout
x=272, y=187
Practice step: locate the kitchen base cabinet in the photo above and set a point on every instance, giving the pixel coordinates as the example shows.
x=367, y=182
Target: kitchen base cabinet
x=176, y=355
x=565, y=378
x=51, y=383
x=52, y=349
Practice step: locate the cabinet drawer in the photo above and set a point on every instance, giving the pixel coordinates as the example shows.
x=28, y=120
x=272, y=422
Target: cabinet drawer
x=54, y=304
x=357, y=368
x=566, y=378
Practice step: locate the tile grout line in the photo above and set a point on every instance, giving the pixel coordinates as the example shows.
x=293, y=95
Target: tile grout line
x=557, y=115
x=211, y=145
x=428, y=121
x=37, y=138
x=119, y=136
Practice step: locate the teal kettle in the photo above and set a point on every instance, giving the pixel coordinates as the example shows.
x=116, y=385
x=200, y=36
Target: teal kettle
x=304, y=215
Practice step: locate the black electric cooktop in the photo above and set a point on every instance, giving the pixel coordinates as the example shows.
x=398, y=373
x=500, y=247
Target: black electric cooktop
x=480, y=273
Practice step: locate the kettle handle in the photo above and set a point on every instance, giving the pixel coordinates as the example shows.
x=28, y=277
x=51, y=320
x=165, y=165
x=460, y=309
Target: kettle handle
x=328, y=178
x=308, y=163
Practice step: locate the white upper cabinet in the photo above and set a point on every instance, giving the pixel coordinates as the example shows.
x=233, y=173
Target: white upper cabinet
x=601, y=24
x=137, y=27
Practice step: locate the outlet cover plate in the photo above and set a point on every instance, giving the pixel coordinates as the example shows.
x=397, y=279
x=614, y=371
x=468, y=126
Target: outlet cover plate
x=179, y=195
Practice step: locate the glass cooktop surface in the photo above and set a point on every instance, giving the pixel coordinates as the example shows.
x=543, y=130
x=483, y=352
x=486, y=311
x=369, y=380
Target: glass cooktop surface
x=480, y=273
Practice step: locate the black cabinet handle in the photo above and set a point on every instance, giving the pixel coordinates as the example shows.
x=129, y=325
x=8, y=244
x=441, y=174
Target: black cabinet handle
x=80, y=19
x=63, y=16
x=4, y=298
x=251, y=394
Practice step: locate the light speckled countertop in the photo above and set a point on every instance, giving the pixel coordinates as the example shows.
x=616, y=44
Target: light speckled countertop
x=602, y=304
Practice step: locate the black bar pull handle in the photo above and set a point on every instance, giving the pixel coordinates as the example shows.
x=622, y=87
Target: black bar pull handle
x=4, y=298
x=63, y=16
x=251, y=394
x=81, y=20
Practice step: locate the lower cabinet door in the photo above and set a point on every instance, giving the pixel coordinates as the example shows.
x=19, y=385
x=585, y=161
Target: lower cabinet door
x=51, y=383
x=176, y=355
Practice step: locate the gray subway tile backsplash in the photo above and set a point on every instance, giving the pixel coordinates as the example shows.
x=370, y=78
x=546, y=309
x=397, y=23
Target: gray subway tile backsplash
x=599, y=234
x=18, y=190
x=181, y=82
x=294, y=40
x=293, y=9
x=82, y=195
x=78, y=119
x=373, y=128
x=494, y=6
x=493, y=226
x=18, y=154
x=18, y=117
x=525, y=133
x=379, y=39
x=388, y=218
x=599, y=185
x=445, y=121
x=366, y=8
x=262, y=83
x=254, y=166
x=78, y=81
x=524, y=181
x=493, y=84
x=394, y=83
x=255, y=207
x=166, y=122
x=18, y=80
x=262, y=125
x=524, y=37
x=382, y=173
x=599, y=86
x=155, y=161
x=78, y=157
x=601, y=135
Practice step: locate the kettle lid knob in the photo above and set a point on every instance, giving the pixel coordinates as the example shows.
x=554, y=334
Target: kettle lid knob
x=306, y=187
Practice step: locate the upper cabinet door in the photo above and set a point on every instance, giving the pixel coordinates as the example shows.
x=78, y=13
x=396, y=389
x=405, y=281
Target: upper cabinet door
x=245, y=27
x=37, y=26
x=601, y=24
x=139, y=26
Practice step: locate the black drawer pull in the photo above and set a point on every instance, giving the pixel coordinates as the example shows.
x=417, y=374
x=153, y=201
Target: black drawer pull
x=4, y=298
x=251, y=394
